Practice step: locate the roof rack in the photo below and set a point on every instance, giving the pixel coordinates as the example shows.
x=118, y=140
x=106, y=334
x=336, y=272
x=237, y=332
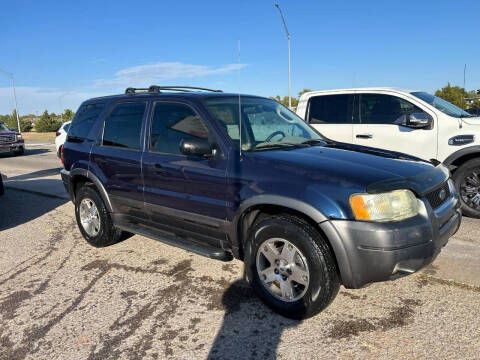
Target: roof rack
x=158, y=89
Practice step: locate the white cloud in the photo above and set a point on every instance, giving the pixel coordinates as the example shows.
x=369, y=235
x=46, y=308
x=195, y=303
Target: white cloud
x=33, y=100
x=145, y=75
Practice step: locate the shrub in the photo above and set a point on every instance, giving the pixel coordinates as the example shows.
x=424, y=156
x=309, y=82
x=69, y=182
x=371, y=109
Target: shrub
x=47, y=123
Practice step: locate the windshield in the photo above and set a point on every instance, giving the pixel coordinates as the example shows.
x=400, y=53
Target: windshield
x=266, y=124
x=4, y=128
x=442, y=105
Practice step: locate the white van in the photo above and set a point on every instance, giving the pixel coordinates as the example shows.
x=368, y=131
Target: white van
x=412, y=122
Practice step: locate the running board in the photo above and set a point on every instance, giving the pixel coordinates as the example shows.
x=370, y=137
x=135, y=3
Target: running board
x=185, y=244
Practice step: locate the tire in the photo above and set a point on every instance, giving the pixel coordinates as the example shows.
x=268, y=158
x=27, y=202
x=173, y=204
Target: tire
x=314, y=262
x=102, y=232
x=467, y=177
x=19, y=152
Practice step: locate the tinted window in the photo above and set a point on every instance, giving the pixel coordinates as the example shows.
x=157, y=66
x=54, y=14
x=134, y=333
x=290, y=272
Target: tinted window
x=385, y=109
x=331, y=109
x=66, y=127
x=173, y=122
x=84, y=120
x=124, y=126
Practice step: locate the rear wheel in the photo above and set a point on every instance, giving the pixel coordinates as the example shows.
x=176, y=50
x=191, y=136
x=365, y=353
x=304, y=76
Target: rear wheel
x=93, y=219
x=291, y=267
x=467, y=183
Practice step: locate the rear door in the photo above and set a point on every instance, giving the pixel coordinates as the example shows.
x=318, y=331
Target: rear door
x=183, y=193
x=383, y=125
x=332, y=116
x=117, y=158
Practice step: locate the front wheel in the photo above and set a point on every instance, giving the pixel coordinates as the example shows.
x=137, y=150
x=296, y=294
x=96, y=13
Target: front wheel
x=19, y=152
x=467, y=183
x=291, y=267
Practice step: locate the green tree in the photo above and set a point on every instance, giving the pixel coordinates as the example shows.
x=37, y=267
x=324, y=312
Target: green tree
x=68, y=115
x=47, y=123
x=25, y=125
x=474, y=105
x=454, y=94
x=303, y=92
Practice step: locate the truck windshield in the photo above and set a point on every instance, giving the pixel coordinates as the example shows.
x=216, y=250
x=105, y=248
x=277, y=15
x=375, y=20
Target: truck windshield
x=266, y=124
x=442, y=105
x=3, y=128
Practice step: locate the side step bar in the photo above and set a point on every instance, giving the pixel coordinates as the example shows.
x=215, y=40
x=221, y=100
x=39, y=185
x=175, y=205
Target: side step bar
x=189, y=245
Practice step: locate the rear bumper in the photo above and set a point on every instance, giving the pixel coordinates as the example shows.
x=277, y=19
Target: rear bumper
x=370, y=252
x=66, y=182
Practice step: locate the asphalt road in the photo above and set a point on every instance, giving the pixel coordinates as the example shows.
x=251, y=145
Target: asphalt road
x=63, y=299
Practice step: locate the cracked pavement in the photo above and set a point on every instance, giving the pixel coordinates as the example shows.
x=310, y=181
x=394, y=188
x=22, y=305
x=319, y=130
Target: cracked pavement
x=140, y=299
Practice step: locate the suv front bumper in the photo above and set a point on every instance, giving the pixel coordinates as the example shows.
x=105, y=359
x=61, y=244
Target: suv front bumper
x=369, y=252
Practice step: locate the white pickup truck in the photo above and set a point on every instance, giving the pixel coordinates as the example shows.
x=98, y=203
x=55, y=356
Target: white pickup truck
x=411, y=122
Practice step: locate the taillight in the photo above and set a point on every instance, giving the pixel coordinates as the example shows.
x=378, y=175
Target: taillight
x=57, y=133
x=61, y=155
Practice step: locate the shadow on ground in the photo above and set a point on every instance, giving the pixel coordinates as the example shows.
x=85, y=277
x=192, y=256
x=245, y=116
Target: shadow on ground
x=249, y=329
x=28, y=152
x=19, y=207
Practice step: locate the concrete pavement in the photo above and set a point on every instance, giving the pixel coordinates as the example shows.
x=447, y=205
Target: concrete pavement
x=37, y=171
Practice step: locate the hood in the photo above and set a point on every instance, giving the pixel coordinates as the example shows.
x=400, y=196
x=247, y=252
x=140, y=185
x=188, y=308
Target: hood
x=359, y=168
x=5, y=133
x=472, y=120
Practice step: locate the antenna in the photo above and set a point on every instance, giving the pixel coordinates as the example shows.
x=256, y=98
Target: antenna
x=239, y=106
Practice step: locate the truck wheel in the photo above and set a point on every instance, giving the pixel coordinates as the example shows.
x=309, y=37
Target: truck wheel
x=93, y=219
x=291, y=267
x=467, y=183
x=19, y=152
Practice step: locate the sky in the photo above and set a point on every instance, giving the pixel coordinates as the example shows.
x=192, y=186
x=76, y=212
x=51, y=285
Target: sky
x=64, y=52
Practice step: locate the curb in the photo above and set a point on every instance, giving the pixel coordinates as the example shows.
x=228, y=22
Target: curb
x=37, y=192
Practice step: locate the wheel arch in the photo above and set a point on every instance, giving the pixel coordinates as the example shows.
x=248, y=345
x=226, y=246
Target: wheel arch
x=458, y=158
x=253, y=211
x=81, y=176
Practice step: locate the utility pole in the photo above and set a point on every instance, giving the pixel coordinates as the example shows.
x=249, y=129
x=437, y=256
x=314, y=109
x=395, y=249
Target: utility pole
x=289, y=72
x=14, y=97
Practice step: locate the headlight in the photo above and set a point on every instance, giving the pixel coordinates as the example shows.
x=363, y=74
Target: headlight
x=392, y=206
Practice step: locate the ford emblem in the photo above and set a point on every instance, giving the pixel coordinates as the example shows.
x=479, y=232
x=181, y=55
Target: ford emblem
x=442, y=194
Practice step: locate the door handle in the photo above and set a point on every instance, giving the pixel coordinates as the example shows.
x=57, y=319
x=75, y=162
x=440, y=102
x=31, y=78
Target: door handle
x=364, y=136
x=157, y=168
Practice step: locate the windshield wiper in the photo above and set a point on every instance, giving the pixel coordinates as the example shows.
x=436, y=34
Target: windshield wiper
x=282, y=145
x=313, y=142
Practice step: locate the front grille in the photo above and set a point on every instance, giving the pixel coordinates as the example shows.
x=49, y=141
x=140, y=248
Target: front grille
x=438, y=197
x=7, y=139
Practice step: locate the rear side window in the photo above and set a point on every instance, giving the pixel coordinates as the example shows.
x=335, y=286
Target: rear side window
x=385, y=109
x=331, y=109
x=123, y=127
x=66, y=127
x=83, y=121
x=173, y=122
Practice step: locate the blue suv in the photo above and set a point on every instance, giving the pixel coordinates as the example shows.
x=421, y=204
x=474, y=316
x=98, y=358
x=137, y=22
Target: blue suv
x=236, y=176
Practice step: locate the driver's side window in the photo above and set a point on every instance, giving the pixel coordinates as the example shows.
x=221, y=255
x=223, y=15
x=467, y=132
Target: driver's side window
x=385, y=109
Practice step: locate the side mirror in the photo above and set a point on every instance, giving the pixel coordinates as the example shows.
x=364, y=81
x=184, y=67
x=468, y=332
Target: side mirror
x=195, y=147
x=419, y=120
x=12, y=129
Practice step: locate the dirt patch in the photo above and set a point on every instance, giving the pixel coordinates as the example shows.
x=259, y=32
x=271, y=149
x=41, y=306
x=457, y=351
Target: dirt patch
x=350, y=295
x=424, y=280
x=12, y=302
x=398, y=317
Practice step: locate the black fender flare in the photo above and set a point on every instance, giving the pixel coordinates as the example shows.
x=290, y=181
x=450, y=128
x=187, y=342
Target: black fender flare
x=97, y=183
x=462, y=152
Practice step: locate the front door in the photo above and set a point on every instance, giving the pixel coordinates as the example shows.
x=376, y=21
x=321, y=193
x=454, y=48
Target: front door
x=383, y=125
x=332, y=116
x=182, y=192
x=117, y=159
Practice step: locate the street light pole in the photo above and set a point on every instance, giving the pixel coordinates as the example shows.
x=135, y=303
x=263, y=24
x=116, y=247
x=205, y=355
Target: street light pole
x=14, y=97
x=289, y=72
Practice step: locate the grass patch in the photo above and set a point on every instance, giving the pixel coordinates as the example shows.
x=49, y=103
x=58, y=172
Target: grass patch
x=39, y=137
